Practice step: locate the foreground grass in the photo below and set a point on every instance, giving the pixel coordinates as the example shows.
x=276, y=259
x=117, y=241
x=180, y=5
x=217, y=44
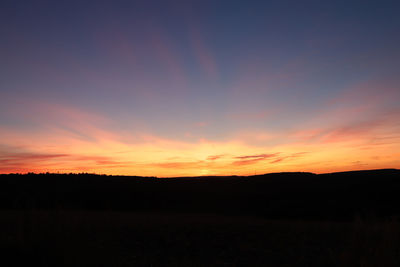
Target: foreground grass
x=82, y=238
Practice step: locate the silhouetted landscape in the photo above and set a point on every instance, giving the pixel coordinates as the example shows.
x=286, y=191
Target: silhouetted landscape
x=279, y=219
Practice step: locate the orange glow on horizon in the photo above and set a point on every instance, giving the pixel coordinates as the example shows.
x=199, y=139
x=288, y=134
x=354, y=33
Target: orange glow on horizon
x=77, y=141
x=155, y=156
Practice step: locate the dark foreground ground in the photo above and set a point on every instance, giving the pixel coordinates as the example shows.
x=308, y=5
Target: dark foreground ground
x=284, y=219
x=98, y=238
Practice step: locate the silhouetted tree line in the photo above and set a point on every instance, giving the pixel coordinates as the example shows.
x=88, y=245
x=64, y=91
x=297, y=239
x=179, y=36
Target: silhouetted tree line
x=336, y=196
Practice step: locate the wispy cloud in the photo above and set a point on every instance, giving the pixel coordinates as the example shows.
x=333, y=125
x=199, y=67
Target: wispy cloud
x=289, y=157
x=259, y=115
x=200, y=124
x=215, y=157
x=203, y=53
x=163, y=47
x=263, y=156
x=252, y=159
x=29, y=161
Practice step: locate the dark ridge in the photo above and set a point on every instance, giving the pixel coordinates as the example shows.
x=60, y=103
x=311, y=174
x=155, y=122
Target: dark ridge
x=333, y=196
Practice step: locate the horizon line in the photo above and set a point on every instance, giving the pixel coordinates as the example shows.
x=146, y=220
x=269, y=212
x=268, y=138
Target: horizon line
x=199, y=176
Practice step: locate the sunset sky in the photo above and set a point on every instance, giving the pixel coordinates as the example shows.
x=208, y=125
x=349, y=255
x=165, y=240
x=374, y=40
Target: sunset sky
x=181, y=88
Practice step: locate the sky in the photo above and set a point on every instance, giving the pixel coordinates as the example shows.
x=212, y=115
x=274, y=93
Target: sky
x=188, y=88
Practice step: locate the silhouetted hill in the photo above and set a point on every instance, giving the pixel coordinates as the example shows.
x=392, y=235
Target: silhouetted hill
x=334, y=196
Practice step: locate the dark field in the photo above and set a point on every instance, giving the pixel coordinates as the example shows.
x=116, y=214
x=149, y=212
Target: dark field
x=286, y=219
x=73, y=238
